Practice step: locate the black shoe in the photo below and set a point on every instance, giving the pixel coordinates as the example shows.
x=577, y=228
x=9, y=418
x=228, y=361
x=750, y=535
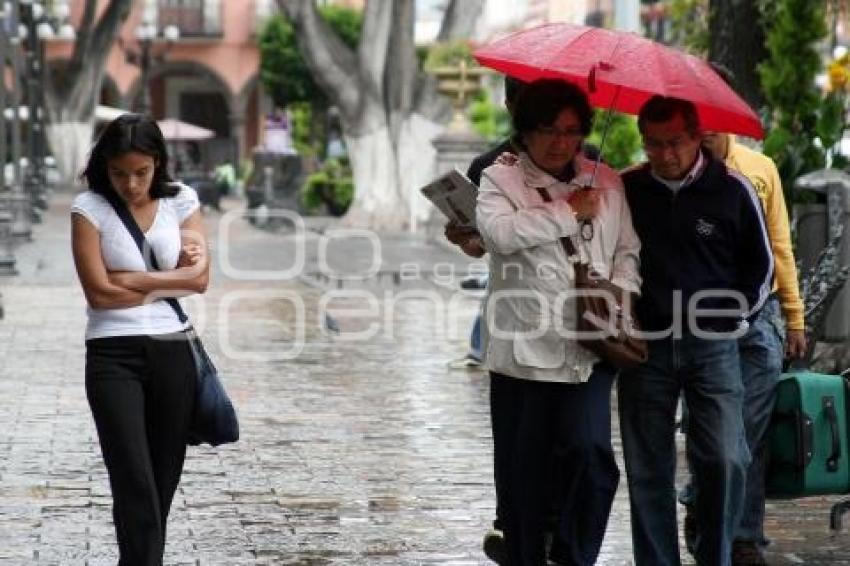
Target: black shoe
x=474, y=283
x=690, y=530
x=747, y=553
x=494, y=547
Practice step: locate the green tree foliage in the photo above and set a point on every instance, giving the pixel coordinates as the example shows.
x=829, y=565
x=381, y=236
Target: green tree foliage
x=301, y=130
x=490, y=120
x=283, y=71
x=801, y=123
x=289, y=82
x=331, y=186
x=689, y=25
x=622, y=143
x=449, y=54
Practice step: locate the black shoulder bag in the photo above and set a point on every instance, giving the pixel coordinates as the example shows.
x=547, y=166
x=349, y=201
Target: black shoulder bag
x=214, y=419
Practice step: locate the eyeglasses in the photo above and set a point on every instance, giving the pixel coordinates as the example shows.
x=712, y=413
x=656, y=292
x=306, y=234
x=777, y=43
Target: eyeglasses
x=657, y=146
x=549, y=133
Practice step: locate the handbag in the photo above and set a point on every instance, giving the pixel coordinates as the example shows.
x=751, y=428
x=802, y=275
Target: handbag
x=602, y=310
x=214, y=419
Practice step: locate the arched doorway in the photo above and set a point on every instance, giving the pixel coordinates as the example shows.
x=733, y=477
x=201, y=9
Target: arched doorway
x=192, y=93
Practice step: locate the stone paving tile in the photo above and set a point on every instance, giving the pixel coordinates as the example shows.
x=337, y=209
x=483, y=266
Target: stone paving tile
x=368, y=452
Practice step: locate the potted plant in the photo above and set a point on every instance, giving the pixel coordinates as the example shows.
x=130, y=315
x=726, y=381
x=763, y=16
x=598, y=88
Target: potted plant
x=332, y=186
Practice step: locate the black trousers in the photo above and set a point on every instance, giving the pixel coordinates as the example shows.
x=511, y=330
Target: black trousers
x=141, y=393
x=534, y=425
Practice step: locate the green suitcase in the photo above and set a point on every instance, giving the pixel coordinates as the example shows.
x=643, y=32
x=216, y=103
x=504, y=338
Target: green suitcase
x=808, y=437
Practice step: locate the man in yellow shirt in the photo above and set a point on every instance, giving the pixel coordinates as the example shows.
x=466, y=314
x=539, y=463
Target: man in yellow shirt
x=762, y=173
x=761, y=348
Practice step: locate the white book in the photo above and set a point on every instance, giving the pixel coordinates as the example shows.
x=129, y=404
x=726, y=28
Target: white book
x=455, y=195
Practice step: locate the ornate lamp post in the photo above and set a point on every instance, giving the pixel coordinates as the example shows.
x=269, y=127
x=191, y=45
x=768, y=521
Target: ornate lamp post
x=22, y=24
x=146, y=57
x=459, y=83
x=18, y=202
x=36, y=28
x=459, y=144
x=7, y=194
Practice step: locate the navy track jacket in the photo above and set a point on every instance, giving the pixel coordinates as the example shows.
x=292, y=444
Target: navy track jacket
x=709, y=236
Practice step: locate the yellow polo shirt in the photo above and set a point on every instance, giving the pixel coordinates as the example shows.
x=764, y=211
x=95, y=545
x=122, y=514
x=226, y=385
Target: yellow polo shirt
x=762, y=173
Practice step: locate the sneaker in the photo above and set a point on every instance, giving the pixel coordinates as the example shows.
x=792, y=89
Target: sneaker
x=494, y=547
x=467, y=362
x=747, y=553
x=690, y=530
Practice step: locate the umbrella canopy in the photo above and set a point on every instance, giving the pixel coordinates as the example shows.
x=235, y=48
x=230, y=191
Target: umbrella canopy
x=621, y=70
x=176, y=130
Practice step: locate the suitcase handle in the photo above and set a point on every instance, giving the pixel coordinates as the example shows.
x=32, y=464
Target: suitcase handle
x=807, y=439
x=832, y=419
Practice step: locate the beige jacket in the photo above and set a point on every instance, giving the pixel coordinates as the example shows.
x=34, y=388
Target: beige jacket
x=528, y=311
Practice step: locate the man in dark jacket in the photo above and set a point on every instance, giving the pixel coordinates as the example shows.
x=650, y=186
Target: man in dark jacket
x=468, y=238
x=707, y=268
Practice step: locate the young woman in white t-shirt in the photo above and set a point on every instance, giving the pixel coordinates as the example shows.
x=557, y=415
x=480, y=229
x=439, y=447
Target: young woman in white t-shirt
x=140, y=375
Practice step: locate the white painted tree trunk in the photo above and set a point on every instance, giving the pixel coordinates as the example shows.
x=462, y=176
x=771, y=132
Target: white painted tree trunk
x=70, y=102
x=417, y=158
x=70, y=143
x=389, y=173
x=384, y=101
x=378, y=202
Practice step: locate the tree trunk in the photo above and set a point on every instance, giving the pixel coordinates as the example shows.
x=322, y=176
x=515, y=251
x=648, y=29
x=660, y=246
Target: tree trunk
x=736, y=40
x=70, y=99
x=387, y=105
x=70, y=143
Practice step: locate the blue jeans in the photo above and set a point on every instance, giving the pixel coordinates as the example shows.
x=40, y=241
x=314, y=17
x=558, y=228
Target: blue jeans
x=761, y=352
x=475, y=347
x=709, y=373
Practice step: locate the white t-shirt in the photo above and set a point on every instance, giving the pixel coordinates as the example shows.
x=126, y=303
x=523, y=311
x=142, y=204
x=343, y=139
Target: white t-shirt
x=120, y=253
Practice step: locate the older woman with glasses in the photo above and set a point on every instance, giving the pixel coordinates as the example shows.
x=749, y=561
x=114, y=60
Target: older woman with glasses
x=547, y=392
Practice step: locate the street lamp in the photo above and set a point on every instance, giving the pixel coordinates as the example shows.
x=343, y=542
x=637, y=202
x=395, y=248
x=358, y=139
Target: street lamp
x=7, y=249
x=17, y=201
x=36, y=28
x=22, y=23
x=9, y=195
x=145, y=57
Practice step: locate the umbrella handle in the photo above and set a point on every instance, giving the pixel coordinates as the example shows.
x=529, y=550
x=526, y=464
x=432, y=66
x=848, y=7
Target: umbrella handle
x=608, y=119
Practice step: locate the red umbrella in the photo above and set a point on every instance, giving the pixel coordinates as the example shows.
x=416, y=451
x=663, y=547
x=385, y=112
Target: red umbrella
x=621, y=71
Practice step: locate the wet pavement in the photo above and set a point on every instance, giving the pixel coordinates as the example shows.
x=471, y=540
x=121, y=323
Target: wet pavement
x=359, y=445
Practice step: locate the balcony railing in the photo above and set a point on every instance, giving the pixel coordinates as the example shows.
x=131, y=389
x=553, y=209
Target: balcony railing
x=195, y=18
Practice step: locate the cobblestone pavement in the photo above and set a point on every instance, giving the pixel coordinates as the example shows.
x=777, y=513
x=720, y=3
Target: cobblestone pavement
x=362, y=451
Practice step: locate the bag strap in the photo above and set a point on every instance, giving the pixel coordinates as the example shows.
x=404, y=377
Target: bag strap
x=144, y=247
x=566, y=241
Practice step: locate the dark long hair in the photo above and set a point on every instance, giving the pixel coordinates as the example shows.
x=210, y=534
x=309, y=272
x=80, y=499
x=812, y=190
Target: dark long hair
x=126, y=133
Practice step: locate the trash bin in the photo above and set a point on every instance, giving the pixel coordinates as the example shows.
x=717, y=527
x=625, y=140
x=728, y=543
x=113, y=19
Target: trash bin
x=815, y=223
